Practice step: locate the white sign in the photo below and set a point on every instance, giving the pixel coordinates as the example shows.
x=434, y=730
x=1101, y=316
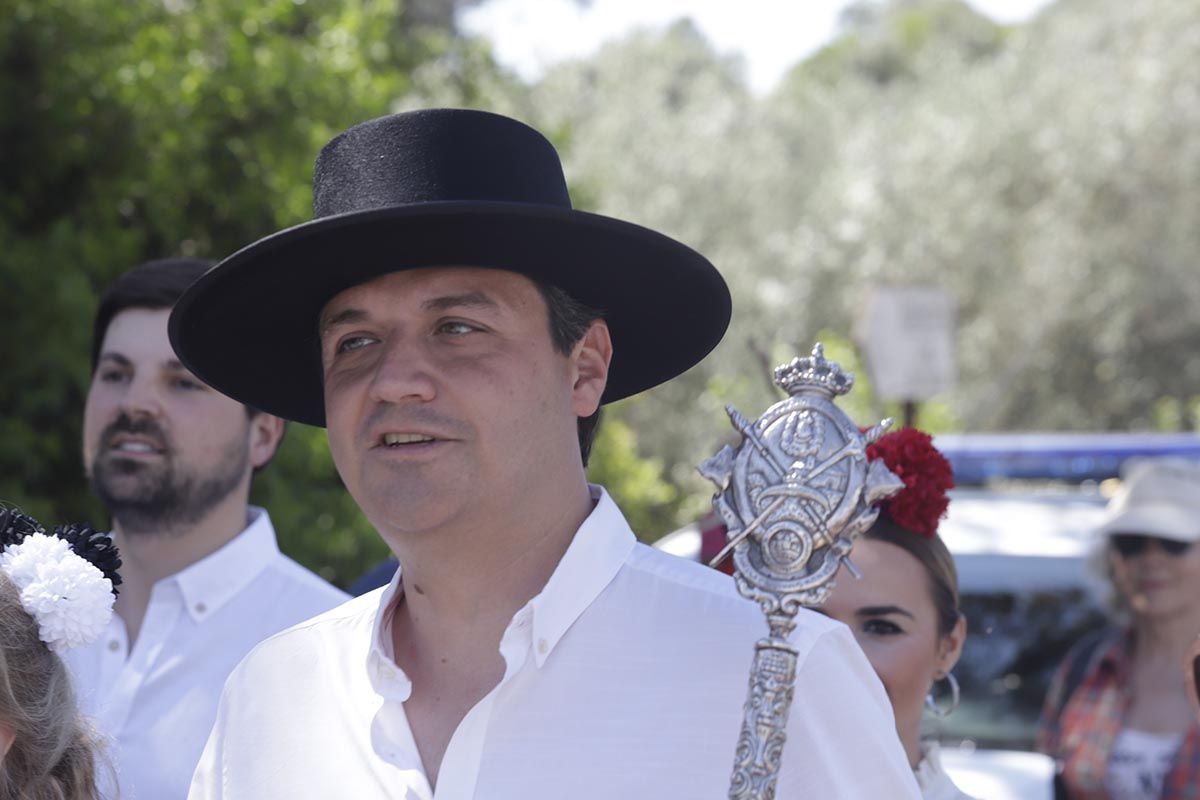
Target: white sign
x=907, y=336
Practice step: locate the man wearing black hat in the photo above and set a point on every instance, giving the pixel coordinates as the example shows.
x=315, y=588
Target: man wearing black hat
x=456, y=326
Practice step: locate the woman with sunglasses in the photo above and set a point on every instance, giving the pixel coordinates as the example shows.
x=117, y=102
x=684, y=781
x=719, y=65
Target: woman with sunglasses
x=1117, y=718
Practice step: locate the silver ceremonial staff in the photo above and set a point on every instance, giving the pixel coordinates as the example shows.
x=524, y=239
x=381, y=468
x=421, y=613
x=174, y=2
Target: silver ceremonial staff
x=793, y=495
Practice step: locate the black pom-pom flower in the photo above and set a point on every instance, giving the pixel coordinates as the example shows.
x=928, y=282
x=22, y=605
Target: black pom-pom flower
x=94, y=546
x=15, y=526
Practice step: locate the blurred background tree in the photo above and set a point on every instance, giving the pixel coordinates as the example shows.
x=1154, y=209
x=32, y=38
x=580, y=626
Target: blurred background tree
x=1047, y=175
x=156, y=127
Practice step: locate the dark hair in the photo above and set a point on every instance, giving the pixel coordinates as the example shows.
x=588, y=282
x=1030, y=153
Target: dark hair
x=153, y=285
x=569, y=321
x=934, y=557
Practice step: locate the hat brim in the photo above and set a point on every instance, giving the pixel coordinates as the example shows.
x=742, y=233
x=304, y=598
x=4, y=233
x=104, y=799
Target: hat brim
x=1165, y=522
x=248, y=327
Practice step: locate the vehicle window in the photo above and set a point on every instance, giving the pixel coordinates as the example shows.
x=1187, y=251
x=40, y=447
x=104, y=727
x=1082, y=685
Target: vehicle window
x=1016, y=641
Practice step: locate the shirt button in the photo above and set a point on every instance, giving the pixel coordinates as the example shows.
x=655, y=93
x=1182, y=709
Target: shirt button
x=114, y=645
x=543, y=646
x=201, y=608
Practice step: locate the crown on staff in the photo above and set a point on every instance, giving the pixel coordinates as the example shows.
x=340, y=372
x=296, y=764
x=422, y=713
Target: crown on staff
x=813, y=373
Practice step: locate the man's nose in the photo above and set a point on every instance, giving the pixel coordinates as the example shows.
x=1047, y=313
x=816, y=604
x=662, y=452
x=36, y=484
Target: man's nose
x=142, y=396
x=404, y=372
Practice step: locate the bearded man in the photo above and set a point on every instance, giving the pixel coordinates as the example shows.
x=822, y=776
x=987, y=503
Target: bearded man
x=204, y=580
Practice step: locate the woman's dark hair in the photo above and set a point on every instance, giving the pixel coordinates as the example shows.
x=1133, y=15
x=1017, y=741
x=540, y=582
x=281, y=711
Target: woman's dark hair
x=934, y=557
x=569, y=321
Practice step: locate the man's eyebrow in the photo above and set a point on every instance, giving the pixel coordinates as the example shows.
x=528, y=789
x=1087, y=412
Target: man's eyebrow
x=882, y=611
x=344, y=317
x=121, y=360
x=175, y=363
x=447, y=302
x=475, y=299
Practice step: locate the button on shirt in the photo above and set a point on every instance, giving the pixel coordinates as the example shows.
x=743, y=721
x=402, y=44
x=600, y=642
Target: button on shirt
x=156, y=704
x=624, y=678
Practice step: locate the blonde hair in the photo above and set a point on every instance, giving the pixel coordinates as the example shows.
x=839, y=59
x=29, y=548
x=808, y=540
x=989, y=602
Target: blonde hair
x=53, y=752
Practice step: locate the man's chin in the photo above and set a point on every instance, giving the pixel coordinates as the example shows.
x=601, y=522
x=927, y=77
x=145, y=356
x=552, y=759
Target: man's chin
x=126, y=489
x=409, y=516
x=136, y=499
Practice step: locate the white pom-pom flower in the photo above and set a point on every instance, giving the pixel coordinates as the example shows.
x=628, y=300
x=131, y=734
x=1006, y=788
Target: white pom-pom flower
x=22, y=561
x=67, y=595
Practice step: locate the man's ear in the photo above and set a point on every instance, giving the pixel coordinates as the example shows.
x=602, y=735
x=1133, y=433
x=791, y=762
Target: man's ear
x=590, y=358
x=266, y=431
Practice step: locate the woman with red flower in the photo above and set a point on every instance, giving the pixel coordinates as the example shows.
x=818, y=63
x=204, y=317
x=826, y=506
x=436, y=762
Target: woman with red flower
x=904, y=611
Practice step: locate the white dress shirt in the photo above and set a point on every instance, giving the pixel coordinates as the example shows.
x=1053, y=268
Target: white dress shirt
x=156, y=704
x=625, y=678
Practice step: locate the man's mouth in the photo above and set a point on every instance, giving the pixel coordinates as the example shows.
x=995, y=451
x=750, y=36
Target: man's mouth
x=401, y=439
x=134, y=445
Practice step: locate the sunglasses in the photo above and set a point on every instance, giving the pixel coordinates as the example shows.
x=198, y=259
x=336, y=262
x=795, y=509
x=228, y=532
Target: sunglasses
x=1133, y=544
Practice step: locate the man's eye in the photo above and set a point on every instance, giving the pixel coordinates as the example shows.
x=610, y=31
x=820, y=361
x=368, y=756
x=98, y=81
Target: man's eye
x=881, y=627
x=112, y=376
x=187, y=383
x=457, y=328
x=353, y=343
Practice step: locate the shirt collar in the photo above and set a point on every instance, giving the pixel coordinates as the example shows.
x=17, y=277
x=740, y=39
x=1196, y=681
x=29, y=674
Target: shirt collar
x=599, y=548
x=209, y=584
x=592, y=560
x=386, y=678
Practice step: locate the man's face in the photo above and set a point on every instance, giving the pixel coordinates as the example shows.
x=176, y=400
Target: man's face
x=161, y=447
x=445, y=400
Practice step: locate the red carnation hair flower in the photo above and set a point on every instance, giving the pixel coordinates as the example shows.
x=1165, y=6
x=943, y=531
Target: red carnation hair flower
x=911, y=456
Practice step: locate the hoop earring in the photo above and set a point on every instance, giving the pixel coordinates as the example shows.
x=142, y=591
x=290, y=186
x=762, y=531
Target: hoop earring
x=954, y=698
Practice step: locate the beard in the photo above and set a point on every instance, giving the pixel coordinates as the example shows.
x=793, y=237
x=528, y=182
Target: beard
x=164, y=496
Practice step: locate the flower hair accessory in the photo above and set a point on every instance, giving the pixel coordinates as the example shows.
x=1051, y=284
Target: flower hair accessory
x=911, y=457
x=66, y=579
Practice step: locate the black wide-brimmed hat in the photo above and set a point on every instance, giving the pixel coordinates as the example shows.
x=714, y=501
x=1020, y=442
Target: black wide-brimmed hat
x=435, y=188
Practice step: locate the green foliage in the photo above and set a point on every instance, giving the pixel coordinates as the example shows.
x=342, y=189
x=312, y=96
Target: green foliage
x=1176, y=414
x=1045, y=175
x=901, y=41
x=636, y=483
x=147, y=128
x=324, y=527
x=158, y=127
